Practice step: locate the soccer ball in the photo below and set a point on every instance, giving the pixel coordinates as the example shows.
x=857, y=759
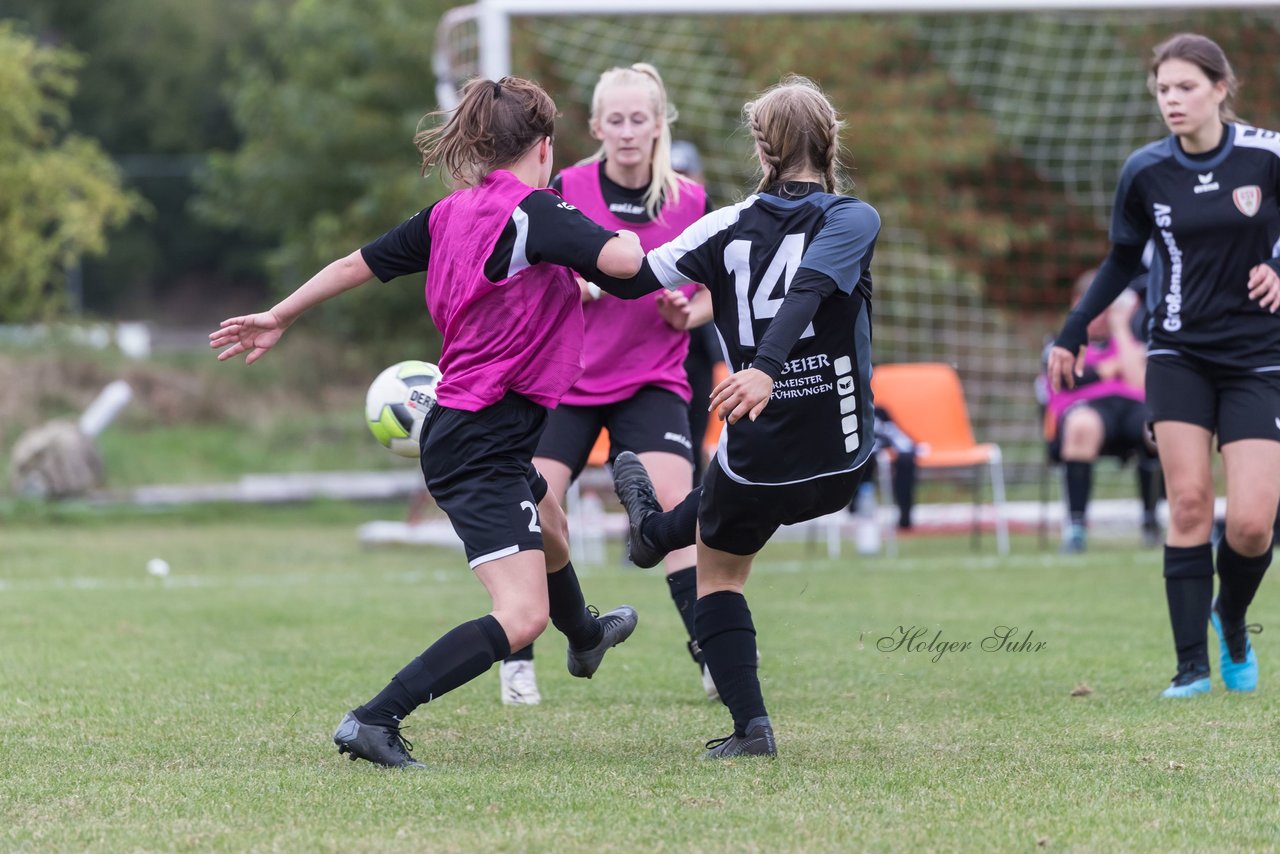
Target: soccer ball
x=398, y=402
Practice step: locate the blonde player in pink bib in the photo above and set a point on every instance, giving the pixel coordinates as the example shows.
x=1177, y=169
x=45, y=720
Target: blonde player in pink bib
x=500, y=255
x=634, y=383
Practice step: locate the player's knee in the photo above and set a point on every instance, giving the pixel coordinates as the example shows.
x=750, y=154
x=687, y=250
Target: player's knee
x=1249, y=532
x=1082, y=434
x=523, y=625
x=1190, y=509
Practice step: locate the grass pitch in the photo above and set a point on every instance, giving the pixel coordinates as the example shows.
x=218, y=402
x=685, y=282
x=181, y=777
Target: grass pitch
x=194, y=711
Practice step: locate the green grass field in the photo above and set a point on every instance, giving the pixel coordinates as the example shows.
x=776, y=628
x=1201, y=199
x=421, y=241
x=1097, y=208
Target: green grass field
x=194, y=712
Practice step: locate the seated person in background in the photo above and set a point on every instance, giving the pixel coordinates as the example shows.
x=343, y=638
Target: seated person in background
x=890, y=436
x=1105, y=414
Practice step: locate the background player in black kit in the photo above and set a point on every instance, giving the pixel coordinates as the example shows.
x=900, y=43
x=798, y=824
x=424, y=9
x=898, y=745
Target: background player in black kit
x=789, y=275
x=1207, y=195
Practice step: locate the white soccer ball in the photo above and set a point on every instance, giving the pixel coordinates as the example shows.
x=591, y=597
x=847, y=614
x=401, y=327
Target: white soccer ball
x=398, y=402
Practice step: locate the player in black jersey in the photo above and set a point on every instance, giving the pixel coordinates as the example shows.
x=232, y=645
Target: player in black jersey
x=1207, y=195
x=789, y=275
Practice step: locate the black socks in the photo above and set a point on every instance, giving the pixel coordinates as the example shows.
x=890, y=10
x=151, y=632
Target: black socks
x=683, y=584
x=1238, y=580
x=1079, y=478
x=676, y=528
x=569, y=612
x=1188, y=586
x=728, y=640
x=455, y=659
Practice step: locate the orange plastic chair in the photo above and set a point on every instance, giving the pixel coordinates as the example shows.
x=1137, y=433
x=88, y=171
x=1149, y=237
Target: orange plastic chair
x=927, y=401
x=600, y=450
x=711, y=441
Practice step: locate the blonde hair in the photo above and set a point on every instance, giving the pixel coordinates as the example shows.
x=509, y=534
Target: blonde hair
x=796, y=129
x=1204, y=53
x=494, y=124
x=664, y=182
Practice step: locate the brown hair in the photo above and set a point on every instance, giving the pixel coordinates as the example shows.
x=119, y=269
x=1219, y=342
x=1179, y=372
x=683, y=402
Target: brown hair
x=796, y=128
x=664, y=182
x=494, y=124
x=1204, y=53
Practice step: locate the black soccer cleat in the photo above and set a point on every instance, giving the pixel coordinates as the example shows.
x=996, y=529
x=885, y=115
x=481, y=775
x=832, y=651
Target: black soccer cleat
x=381, y=745
x=635, y=490
x=757, y=742
x=616, y=626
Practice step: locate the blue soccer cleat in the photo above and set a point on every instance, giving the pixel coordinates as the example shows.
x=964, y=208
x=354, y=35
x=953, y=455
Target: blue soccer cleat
x=1191, y=679
x=1238, y=664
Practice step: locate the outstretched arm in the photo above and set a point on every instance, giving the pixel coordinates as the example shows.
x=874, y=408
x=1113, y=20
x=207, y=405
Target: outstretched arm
x=255, y=334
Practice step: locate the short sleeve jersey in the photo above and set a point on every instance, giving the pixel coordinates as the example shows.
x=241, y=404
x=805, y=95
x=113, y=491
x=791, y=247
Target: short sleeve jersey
x=508, y=312
x=1212, y=219
x=818, y=421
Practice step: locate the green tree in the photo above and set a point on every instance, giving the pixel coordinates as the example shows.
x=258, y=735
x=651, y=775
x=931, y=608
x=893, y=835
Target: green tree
x=151, y=92
x=327, y=108
x=61, y=191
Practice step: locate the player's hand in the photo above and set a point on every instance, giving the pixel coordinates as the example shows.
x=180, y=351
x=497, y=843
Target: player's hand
x=745, y=393
x=673, y=306
x=1264, y=287
x=252, y=333
x=1064, y=368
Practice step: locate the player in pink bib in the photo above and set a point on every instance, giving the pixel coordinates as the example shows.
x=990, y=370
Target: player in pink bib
x=633, y=382
x=500, y=256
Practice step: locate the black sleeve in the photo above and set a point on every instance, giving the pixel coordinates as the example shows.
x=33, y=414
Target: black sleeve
x=808, y=289
x=402, y=250
x=1122, y=266
x=644, y=282
x=550, y=231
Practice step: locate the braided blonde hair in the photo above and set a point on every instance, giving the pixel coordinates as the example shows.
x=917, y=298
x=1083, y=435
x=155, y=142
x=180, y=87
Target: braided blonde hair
x=664, y=182
x=796, y=130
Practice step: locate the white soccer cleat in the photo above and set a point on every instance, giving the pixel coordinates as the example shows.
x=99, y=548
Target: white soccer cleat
x=519, y=686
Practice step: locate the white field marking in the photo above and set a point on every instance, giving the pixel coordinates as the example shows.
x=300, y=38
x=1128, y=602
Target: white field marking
x=279, y=580
x=460, y=575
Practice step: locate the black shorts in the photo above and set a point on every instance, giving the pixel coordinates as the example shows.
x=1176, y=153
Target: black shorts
x=740, y=518
x=1124, y=425
x=652, y=419
x=1235, y=403
x=479, y=469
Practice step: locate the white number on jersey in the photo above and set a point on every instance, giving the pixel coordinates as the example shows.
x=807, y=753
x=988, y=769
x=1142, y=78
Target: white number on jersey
x=533, y=516
x=737, y=260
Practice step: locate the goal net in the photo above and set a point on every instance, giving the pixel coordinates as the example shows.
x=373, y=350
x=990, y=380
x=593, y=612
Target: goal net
x=990, y=142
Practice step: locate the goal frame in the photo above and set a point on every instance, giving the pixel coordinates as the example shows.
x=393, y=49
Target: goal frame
x=493, y=18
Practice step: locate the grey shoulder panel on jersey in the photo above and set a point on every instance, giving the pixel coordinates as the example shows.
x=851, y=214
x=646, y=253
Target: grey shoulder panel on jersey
x=841, y=247
x=1123, y=230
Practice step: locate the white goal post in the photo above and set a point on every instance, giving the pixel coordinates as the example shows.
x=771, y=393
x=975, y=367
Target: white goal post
x=493, y=17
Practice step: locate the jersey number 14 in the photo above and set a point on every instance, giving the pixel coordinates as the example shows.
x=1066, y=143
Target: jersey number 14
x=737, y=260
